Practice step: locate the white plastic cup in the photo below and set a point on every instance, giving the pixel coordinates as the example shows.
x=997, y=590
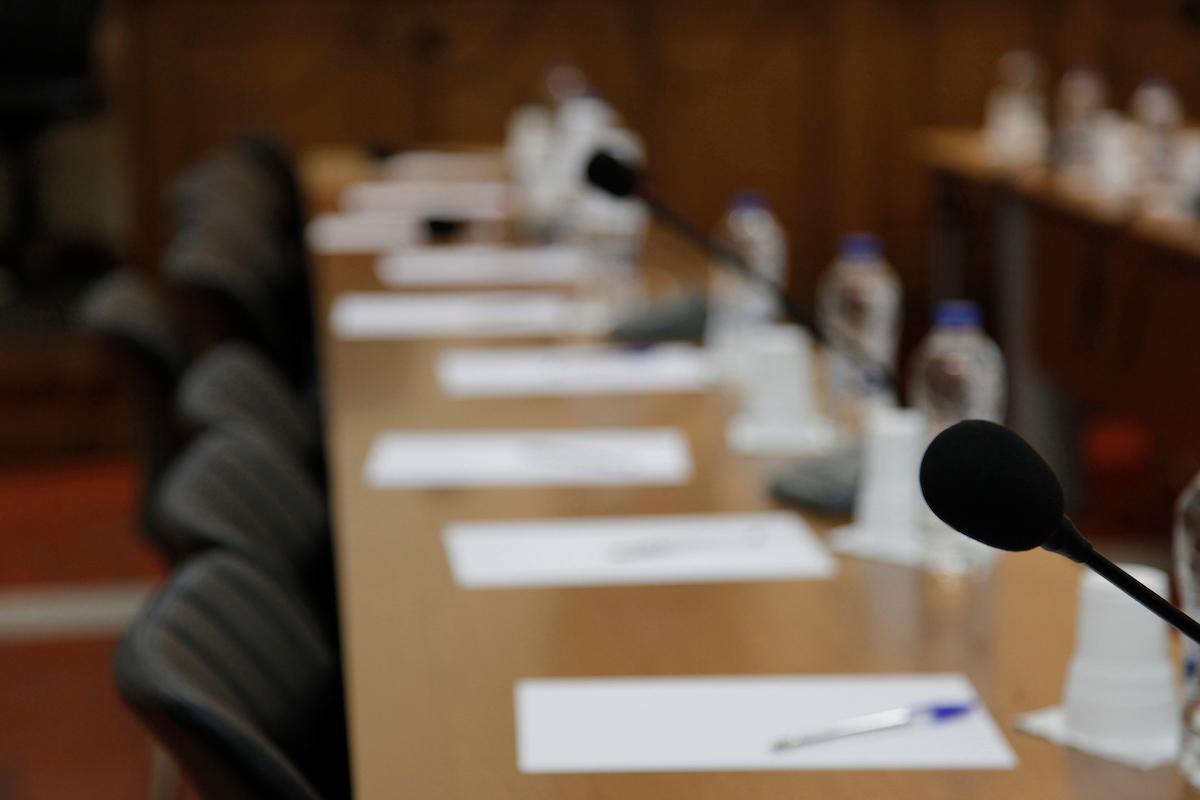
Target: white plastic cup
x=777, y=381
x=771, y=367
x=888, y=498
x=1121, y=690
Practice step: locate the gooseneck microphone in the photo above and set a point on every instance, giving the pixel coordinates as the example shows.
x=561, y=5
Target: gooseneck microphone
x=620, y=179
x=986, y=482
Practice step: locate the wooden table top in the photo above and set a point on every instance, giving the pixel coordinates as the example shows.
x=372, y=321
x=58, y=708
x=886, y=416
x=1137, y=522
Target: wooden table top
x=963, y=152
x=430, y=667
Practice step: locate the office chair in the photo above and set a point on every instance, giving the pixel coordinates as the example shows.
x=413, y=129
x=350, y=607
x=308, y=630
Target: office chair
x=234, y=387
x=257, y=172
x=243, y=203
x=276, y=161
x=226, y=292
x=148, y=353
x=232, y=674
x=238, y=491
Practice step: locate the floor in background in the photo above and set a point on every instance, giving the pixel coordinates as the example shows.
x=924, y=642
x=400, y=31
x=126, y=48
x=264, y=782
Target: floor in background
x=65, y=734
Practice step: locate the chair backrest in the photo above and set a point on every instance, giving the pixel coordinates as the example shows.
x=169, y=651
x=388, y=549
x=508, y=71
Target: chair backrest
x=124, y=308
x=227, y=181
x=233, y=386
x=237, y=491
x=231, y=672
x=226, y=293
x=275, y=160
x=148, y=350
x=239, y=220
x=273, y=157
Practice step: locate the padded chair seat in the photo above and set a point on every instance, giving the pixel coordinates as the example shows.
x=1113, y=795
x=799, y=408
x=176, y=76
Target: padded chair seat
x=234, y=386
x=122, y=306
x=229, y=669
x=239, y=491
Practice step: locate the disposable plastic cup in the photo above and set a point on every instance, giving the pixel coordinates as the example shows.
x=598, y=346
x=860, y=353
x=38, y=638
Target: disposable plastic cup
x=1121, y=689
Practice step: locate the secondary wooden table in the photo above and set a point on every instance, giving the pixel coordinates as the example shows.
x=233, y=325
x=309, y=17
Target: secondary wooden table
x=430, y=668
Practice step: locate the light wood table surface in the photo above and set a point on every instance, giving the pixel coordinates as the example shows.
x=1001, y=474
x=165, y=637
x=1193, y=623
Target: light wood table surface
x=431, y=667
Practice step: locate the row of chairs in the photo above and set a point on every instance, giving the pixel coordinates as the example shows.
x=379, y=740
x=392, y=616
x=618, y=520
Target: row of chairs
x=234, y=665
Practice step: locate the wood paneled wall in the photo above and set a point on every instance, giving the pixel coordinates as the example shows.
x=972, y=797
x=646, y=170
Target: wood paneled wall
x=813, y=102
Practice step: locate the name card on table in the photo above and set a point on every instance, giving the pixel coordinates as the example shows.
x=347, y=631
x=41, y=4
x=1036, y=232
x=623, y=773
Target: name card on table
x=599, y=457
x=475, y=200
x=442, y=165
x=694, y=724
x=688, y=548
x=573, y=370
x=368, y=232
x=395, y=315
x=485, y=265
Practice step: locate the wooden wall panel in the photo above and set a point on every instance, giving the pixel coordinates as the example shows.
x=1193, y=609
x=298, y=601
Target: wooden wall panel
x=1128, y=41
x=812, y=101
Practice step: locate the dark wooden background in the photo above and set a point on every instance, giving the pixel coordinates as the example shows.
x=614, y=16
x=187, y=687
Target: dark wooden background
x=813, y=102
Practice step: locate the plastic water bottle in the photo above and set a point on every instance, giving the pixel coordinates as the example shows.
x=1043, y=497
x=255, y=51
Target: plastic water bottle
x=1116, y=167
x=1157, y=110
x=858, y=311
x=1159, y=117
x=527, y=145
x=1187, y=576
x=738, y=306
x=1015, y=120
x=1081, y=94
x=957, y=373
x=578, y=124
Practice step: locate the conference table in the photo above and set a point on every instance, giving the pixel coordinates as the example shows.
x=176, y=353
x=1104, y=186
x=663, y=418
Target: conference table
x=430, y=667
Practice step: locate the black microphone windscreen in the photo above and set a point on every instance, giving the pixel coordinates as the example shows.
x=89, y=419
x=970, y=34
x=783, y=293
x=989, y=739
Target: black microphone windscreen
x=985, y=481
x=610, y=174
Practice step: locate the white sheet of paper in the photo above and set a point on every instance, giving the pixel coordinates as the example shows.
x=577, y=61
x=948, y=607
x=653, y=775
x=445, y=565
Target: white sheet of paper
x=431, y=165
x=484, y=265
x=396, y=315
x=601, y=457
x=688, y=548
x=479, y=200
x=573, y=370
x=362, y=232
x=730, y=723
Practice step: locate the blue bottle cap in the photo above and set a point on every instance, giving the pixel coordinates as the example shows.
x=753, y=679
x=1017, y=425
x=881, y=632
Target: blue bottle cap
x=957, y=314
x=748, y=198
x=860, y=245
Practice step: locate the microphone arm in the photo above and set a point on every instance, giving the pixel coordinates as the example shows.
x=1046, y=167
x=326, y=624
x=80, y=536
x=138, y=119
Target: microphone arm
x=1068, y=541
x=719, y=251
x=615, y=177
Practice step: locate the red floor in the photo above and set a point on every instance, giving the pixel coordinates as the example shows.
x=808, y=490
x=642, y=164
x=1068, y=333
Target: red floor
x=63, y=731
x=73, y=521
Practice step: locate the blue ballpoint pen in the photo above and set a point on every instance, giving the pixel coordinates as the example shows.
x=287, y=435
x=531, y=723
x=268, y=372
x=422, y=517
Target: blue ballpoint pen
x=879, y=721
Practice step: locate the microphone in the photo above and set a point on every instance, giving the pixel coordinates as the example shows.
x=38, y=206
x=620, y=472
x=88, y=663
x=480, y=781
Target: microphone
x=612, y=175
x=987, y=483
x=622, y=180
